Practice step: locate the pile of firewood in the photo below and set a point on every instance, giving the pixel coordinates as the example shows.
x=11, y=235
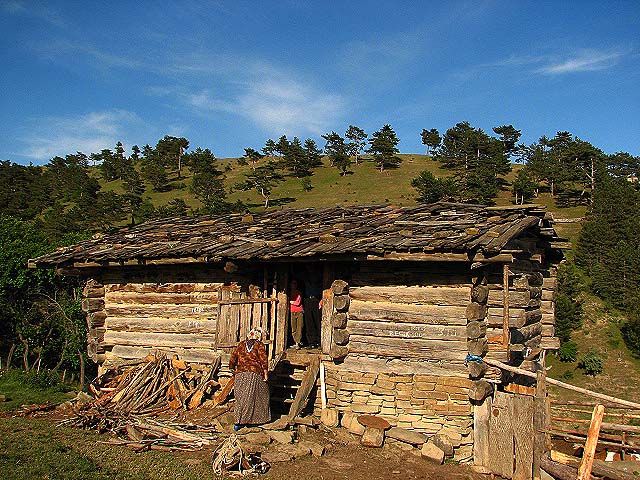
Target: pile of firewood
x=157, y=384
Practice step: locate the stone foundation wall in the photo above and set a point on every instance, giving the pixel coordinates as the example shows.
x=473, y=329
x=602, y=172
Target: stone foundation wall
x=433, y=405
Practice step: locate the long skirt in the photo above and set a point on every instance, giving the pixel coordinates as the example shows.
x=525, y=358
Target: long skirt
x=252, y=399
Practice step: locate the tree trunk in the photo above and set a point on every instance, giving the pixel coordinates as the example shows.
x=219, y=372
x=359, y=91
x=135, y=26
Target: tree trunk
x=81, y=370
x=10, y=355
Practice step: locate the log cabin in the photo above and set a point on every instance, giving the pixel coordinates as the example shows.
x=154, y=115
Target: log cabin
x=412, y=297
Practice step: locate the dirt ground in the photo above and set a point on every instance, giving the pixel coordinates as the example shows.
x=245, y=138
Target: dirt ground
x=33, y=448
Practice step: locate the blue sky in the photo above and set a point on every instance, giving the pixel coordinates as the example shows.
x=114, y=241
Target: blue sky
x=227, y=75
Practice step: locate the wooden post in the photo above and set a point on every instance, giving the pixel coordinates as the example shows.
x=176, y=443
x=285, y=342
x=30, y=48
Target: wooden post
x=539, y=422
x=505, y=305
x=584, y=470
x=272, y=325
x=323, y=386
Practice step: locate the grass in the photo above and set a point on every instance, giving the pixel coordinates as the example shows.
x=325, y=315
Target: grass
x=600, y=332
x=36, y=449
x=22, y=388
x=364, y=184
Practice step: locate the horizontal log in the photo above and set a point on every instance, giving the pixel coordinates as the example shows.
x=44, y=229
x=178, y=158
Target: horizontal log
x=338, y=351
x=517, y=299
x=92, y=304
x=549, y=318
x=547, y=306
x=476, y=329
x=548, y=295
x=407, y=330
x=548, y=330
x=341, y=302
x=430, y=295
x=340, y=336
x=612, y=470
x=339, y=320
x=427, y=314
x=367, y=363
x=478, y=346
x=475, y=311
x=96, y=319
x=480, y=390
x=159, y=339
x=524, y=334
x=408, y=348
x=164, y=287
x=535, y=292
x=477, y=369
x=162, y=324
x=161, y=298
x=180, y=311
x=93, y=292
x=550, y=343
x=339, y=287
x=479, y=294
x=518, y=317
x=194, y=355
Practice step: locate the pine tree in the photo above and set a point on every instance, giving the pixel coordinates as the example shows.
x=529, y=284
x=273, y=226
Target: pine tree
x=207, y=183
x=251, y=157
x=337, y=151
x=432, y=189
x=269, y=148
x=431, y=139
x=295, y=159
x=312, y=153
x=383, y=146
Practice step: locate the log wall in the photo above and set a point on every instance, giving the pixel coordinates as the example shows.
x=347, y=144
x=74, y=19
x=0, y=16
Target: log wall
x=132, y=313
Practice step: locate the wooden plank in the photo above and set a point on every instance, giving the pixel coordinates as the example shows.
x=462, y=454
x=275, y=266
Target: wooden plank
x=481, y=438
x=326, y=330
x=155, y=298
x=523, y=436
x=432, y=295
x=505, y=305
x=584, y=470
x=428, y=314
x=308, y=382
x=159, y=339
x=408, y=348
x=195, y=355
x=160, y=310
x=163, y=287
x=501, y=435
x=406, y=330
x=161, y=324
x=282, y=322
x=517, y=298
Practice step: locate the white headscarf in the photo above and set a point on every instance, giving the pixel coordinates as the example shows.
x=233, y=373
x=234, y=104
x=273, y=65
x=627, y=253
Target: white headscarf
x=254, y=335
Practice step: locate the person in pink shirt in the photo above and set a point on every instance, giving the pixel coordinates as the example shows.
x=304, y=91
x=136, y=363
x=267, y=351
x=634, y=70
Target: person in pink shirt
x=297, y=313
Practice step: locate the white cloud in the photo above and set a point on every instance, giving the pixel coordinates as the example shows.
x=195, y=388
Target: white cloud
x=32, y=9
x=586, y=61
x=554, y=64
x=277, y=103
x=91, y=132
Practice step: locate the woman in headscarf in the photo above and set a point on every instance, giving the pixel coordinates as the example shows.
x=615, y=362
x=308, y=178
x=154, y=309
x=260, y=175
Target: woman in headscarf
x=250, y=366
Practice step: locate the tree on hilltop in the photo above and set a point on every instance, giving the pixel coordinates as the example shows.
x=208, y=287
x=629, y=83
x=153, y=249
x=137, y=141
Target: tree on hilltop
x=383, y=146
x=357, y=141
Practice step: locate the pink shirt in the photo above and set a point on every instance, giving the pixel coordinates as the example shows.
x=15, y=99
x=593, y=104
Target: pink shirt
x=296, y=302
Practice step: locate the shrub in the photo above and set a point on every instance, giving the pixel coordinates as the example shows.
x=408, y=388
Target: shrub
x=591, y=363
x=568, y=375
x=631, y=335
x=568, y=352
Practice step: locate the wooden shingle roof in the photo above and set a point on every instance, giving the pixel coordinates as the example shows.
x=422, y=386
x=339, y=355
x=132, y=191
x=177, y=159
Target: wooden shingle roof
x=454, y=231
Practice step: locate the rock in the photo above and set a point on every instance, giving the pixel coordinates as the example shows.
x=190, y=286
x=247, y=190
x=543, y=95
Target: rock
x=82, y=397
x=259, y=438
x=373, y=437
x=276, y=456
x=443, y=443
x=432, y=452
x=347, y=418
x=227, y=419
x=356, y=427
x=329, y=417
x=301, y=451
x=248, y=430
x=406, y=436
x=3, y=398
x=281, y=436
x=316, y=449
